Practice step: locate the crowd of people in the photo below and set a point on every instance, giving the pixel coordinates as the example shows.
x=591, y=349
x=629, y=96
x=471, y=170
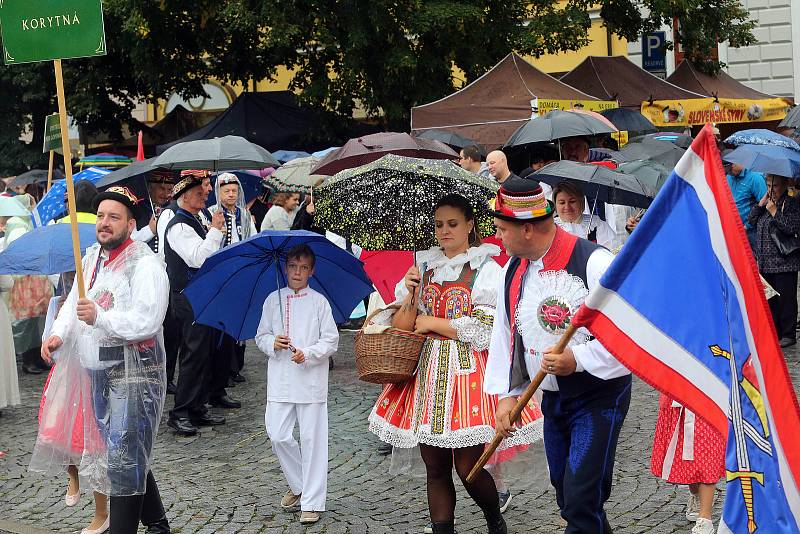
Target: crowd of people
x=116, y=352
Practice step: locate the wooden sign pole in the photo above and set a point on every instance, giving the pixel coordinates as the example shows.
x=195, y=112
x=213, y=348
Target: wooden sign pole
x=50, y=171
x=73, y=217
x=523, y=400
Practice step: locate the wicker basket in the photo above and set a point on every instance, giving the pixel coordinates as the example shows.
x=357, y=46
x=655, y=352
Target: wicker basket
x=388, y=357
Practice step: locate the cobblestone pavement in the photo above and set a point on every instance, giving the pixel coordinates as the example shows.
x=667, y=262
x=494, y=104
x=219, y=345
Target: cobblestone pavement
x=228, y=480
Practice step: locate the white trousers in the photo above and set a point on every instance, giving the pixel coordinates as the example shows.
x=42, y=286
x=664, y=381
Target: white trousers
x=305, y=465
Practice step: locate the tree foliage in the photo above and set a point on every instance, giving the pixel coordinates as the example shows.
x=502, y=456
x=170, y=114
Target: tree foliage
x=382, y=56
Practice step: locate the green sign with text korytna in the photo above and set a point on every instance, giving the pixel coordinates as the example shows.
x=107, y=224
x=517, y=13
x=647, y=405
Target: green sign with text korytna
x=43, y=30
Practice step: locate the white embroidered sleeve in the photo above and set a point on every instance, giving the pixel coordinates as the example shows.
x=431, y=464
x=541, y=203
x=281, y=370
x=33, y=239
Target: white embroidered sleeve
x=475, y=329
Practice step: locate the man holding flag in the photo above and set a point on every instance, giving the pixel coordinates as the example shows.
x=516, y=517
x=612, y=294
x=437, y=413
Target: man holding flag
x=587, y=391
x=699, y=330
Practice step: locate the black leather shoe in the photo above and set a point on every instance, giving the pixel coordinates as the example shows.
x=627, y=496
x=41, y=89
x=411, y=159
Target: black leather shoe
x=31, y=369
x=787, y=342
x=384, y=449
x=159, y=527
x=182, y=426
x=225, y=402
x=208, y=419
x=238, y=377
x=171, y=388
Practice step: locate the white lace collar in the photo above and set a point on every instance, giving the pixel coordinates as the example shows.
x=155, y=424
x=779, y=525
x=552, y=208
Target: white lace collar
x=448, y=269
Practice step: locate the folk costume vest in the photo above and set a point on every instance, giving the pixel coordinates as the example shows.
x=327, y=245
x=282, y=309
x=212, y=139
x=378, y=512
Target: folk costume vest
x=568, y=253
x=179, y=273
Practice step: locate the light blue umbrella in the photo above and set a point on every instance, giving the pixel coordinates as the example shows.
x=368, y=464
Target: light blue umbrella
x=9, y=207
x=53, y=205
x=288, y=155
x=45, y=250
x=758, y=136
x=767, y=159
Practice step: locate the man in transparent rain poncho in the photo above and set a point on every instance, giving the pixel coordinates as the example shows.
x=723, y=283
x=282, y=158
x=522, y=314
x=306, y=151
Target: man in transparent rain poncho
x=115, y=332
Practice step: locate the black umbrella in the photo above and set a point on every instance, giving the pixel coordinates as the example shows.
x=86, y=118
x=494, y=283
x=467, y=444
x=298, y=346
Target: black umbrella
x=650, y=173
x=388, y=204
x=557, y=124
x=677, y=139
x=34, y=176
x=628, y=120
x=450, y=138
x=134, y=170
x=664, y=152
x=599, y=183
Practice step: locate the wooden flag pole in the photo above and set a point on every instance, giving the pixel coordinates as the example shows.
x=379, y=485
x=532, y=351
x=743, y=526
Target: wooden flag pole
x=523, y=401
x=73, y=217
x=50, y=171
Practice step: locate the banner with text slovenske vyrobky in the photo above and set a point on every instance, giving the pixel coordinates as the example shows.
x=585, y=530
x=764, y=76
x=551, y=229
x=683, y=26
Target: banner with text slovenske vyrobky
x=683, y=307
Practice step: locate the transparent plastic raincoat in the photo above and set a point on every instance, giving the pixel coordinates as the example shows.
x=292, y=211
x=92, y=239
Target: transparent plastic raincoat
x=112, y=377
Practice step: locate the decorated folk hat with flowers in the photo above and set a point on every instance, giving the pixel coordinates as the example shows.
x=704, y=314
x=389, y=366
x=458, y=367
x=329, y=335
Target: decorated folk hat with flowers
x=119, y=193
x=189, y=179
x=521, y=200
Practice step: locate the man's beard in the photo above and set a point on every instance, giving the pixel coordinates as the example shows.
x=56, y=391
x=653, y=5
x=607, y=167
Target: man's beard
x=113, y=241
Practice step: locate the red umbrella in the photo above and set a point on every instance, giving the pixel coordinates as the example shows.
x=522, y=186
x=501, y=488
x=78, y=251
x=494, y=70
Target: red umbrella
x=387, y=267
x=363, y=150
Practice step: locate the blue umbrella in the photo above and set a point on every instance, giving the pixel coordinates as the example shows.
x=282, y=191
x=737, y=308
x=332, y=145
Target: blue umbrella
x=288, y=155
x=45, y=250
x=52, y=205
x=767, y=159
x=757, y=136
x=229, y=290
x=324, y=152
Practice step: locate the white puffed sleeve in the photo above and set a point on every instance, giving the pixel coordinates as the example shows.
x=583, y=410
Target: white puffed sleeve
x=476, y=328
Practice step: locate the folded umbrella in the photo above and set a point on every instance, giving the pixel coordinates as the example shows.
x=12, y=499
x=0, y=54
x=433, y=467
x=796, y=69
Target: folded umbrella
x=45, y=250
x=558, y=124
x=362, y=150
x=767, y=159
x=626, y=119
x=219, y=154
x=759, y=136
x=599, y=183
x=229, y=290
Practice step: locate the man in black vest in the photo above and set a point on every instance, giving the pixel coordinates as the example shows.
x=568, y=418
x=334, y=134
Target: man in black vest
x=159, y=190
x=187, y=244
x=586, y=392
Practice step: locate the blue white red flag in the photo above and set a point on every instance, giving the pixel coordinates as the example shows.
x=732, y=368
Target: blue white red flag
x=683, y=307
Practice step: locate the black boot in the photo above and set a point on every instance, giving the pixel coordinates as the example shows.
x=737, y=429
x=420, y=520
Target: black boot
x=443, y=528
x=153, y=515
x=495, y=523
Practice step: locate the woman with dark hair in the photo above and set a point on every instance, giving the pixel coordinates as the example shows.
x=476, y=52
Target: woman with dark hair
x=450, y=299
x=779, y=214
x=570, y=206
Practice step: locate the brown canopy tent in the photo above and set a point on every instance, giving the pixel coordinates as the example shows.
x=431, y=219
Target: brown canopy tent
x=618, y=78
x=492, y=107
x=721, y=86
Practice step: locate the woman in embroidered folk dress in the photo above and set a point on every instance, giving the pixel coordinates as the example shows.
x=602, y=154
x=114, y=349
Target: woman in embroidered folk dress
x=443, y=408
x=688, y=450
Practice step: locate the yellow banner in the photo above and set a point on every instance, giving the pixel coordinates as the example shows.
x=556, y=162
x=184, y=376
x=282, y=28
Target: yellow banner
x=698, y=111
x=544, y=105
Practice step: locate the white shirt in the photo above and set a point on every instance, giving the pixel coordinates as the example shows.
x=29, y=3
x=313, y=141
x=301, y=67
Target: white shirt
x=278, y=218
x=143, y=234
x=604, y=235
x=590, y=357
x=136, y=300
x=192, y=248
x=164, y=217
x=306, y=318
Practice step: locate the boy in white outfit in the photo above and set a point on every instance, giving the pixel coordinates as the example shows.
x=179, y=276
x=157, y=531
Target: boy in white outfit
x=298, y=334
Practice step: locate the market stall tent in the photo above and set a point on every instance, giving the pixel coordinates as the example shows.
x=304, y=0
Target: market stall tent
x=618, y=78
x=492, y=107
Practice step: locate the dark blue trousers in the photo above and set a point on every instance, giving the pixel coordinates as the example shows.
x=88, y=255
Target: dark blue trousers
x=580, y=440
